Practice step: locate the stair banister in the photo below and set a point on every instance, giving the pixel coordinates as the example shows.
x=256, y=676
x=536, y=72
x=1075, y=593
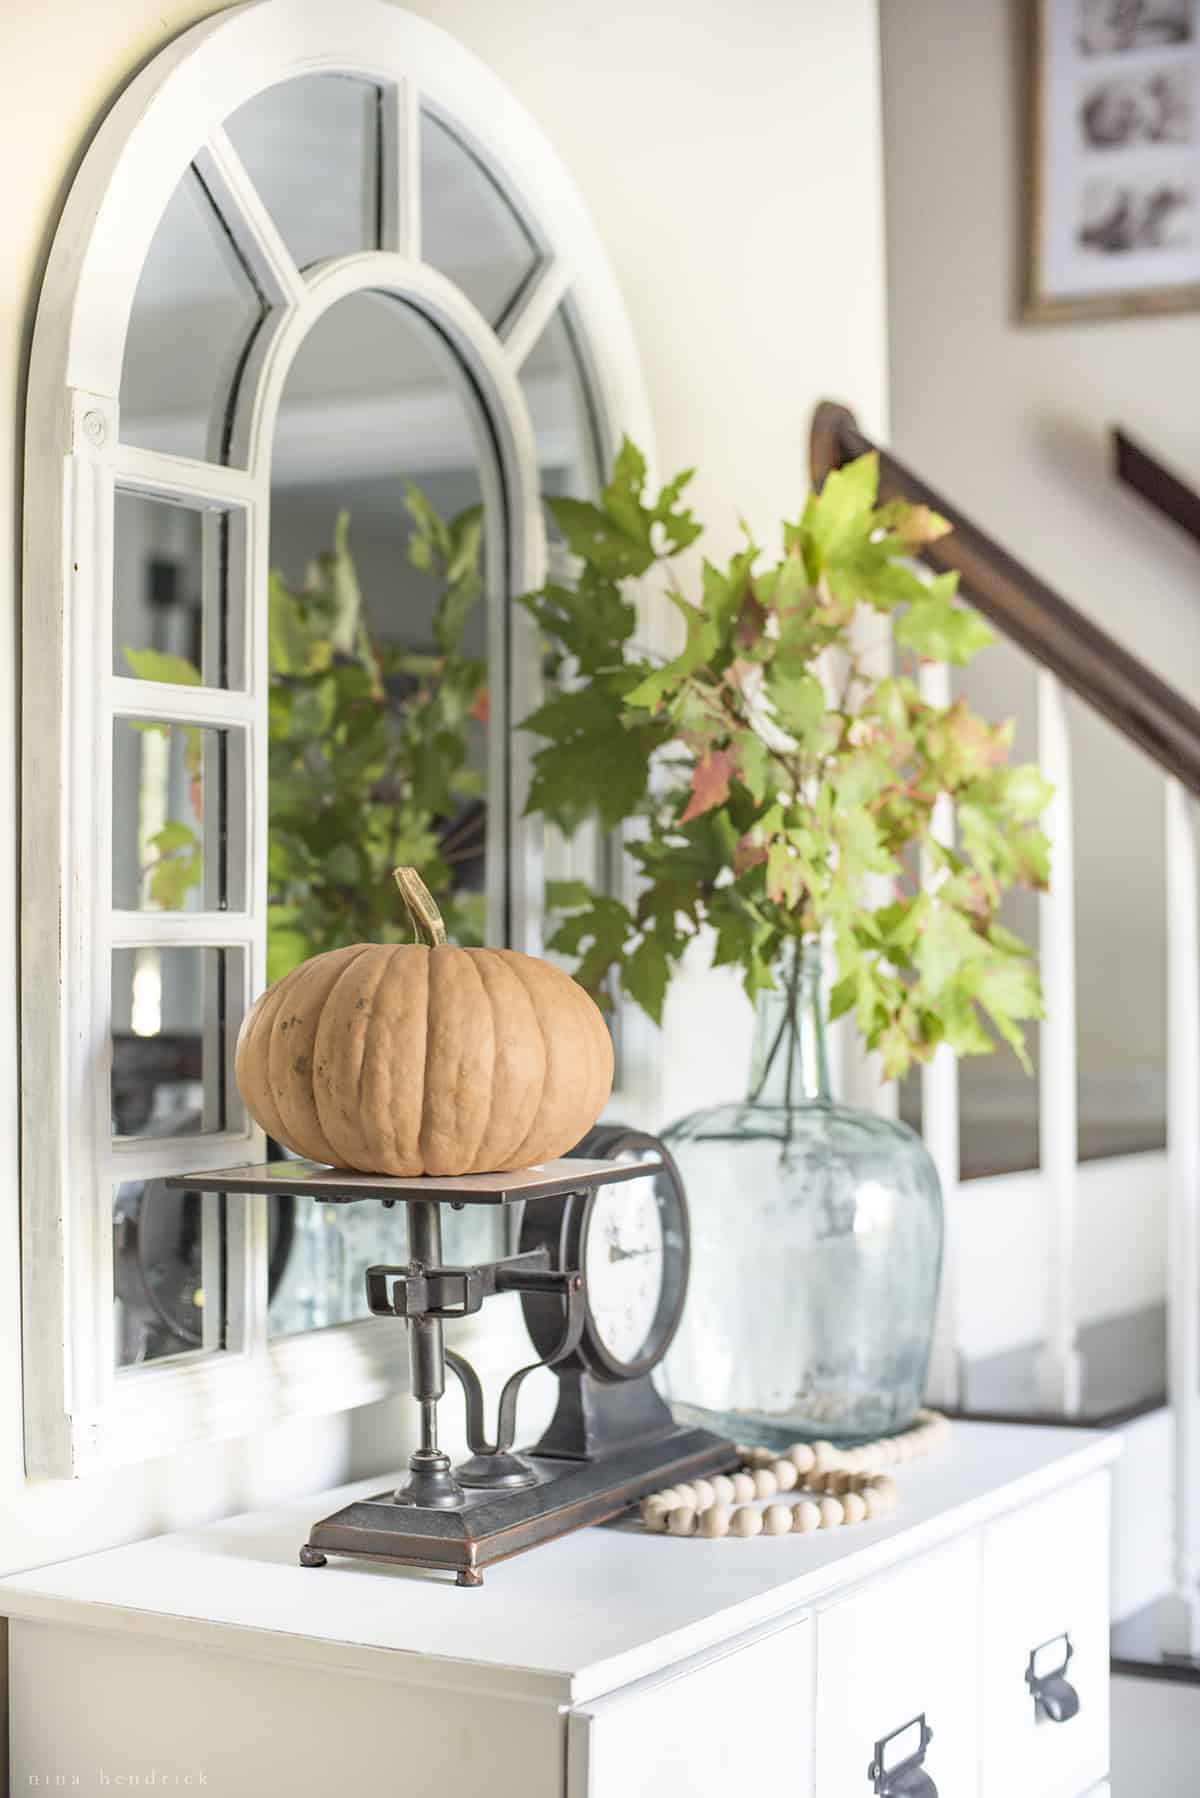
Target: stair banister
x=1181, y=1616
x=939, y=1118
x=1059, y=1367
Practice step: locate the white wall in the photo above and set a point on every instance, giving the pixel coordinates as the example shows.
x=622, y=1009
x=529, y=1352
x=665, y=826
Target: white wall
x=731, y=158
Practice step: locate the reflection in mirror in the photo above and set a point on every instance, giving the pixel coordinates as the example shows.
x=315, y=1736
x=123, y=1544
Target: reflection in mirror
x=556, y=389
x=470, y=231
x=176, y=595
x=570, y=452
x=380, y=644
x=312, y=149
x=169, y=1040
x=379, y=639
x=173, y=789
x=168, y=1284
x=194, y=313
x=323, y=1281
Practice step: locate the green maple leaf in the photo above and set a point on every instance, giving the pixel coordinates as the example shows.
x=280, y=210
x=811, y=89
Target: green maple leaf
x=160, y=665
x=938, y=629
x=645, y=975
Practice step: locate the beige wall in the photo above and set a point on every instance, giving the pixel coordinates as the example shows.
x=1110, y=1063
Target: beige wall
x=1011, y=424
x=750, y=252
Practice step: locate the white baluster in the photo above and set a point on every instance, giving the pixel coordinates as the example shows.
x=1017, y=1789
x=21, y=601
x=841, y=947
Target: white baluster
x=1180, y=1622
x=939, y=1117
x=1059, y=1367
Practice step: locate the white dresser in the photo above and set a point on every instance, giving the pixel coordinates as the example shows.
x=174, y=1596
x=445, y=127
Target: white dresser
x=612, y=1664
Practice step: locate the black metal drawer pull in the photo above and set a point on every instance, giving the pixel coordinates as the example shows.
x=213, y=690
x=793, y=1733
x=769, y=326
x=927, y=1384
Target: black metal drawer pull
x=1053, y=1694
x=908, y=1778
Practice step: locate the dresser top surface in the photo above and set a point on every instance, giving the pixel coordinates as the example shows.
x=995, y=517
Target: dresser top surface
x=565, y=1621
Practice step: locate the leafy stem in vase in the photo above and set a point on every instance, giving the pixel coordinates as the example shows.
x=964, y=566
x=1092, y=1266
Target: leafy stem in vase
x=781, y=788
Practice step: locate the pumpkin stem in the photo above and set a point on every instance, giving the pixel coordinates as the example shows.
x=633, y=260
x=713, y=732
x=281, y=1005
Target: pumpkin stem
x=423, y=913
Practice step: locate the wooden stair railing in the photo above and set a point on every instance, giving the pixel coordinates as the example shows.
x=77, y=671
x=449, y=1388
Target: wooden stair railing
x=1073, y=652
x=1153, y=480
x=1056, y=634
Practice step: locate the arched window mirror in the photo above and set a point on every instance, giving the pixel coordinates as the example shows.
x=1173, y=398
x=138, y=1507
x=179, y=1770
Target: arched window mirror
x=312, y=256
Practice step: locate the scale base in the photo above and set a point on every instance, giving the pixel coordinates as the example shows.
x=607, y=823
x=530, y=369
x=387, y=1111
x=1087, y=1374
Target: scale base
x=492, y=1524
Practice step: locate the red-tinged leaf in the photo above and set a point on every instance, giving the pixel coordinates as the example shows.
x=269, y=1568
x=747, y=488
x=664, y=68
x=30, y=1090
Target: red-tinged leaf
x=751, y=624
x=748, y=854
x=481, y=706
x=710, y=783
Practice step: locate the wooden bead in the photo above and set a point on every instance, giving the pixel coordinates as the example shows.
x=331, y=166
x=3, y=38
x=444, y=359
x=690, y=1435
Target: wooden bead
x=786, y=1477
x=722, y=1487
x=777, y=1520
x=655, y=1519
x=682, y=1521
x=824, y=1455
x=686, y=1495
x=831, y=1513
x=854, y=1509
x=870, y=1459
x=801, y=1457
x=715, y=1521
x=743, y=1487
x=806, y=1516
x=837, y=1481
x=746, y=1521
x=705, y=1496
x=765, y=1483
x=648, y=1506
x=883, y=1482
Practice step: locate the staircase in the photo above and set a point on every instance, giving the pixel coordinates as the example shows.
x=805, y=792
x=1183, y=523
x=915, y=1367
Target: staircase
x=1054, y=1198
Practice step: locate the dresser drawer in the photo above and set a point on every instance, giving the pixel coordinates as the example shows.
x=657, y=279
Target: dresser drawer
x=738, y=1722
x=902, y=1647
x=1045, y=1583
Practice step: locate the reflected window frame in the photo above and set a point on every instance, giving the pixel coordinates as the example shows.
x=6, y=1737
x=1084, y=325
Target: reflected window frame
x=79, y=1415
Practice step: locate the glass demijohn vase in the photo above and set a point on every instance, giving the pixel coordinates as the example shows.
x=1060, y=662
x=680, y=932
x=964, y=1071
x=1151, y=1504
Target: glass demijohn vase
x=816, y=1247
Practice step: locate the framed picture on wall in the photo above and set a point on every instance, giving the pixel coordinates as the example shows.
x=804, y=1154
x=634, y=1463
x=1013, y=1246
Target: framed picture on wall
x=1114, y=159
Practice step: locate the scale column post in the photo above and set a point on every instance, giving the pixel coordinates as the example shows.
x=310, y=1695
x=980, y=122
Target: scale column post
x=430, y=1481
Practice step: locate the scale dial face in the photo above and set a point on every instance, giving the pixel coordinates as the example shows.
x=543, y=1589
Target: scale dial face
x=625, y=1267
x=629, y=1239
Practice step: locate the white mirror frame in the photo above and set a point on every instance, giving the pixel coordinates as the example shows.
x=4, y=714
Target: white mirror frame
x=80, y=1413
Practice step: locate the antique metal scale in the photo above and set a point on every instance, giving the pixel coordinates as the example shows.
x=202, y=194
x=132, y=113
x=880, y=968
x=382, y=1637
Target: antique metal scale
x=602, y=1273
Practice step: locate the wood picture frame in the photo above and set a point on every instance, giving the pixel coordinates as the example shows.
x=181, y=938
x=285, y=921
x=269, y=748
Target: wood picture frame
x=1112, y=220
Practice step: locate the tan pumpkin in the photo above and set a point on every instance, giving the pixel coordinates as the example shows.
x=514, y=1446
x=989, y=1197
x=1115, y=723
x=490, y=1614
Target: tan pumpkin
x=422, y=1058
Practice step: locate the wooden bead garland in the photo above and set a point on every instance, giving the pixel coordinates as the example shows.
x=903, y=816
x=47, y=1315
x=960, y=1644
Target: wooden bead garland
x=831, y=1487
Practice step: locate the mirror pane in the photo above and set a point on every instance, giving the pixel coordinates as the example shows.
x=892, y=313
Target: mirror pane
x=322, y=1280
x=195, y=310
x=168, y=1277
x=173, y=1013
x=311, y=148
x=177, y=592
x=382, y=630
x=379, y=733
x=566, y=429
x=178, y=798
x=470, y=230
